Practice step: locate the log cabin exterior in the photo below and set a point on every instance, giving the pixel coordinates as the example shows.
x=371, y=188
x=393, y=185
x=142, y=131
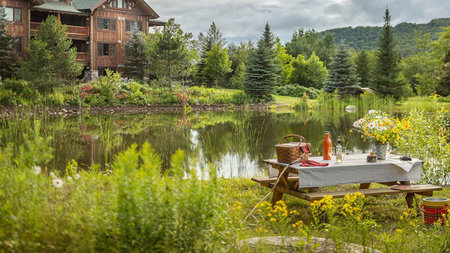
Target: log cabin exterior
x=99, y=29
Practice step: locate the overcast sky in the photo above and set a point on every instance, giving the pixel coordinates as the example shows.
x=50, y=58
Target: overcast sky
x=240, y=20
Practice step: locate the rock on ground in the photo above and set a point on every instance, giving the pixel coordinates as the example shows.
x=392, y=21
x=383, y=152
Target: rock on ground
x=294, y=244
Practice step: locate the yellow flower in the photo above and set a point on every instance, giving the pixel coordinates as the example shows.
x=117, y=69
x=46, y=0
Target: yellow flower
x=399, y=231
x=273, y=219
x=362, y=136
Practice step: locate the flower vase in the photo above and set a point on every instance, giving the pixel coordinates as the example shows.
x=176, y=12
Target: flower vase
x=381, y=150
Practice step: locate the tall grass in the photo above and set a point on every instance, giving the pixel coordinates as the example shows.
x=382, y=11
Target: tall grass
x=133, y=207
x=332, y=102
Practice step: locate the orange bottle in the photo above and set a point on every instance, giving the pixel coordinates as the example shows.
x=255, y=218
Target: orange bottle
x=326, y=148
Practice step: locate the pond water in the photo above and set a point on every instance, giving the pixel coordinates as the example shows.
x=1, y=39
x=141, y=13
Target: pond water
x=234, y=142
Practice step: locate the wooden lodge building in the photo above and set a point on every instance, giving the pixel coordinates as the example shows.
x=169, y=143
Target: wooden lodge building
x=98, y=28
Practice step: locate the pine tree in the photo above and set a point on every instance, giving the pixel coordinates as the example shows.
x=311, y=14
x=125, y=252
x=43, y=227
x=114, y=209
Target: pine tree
x=169, y=59
x=362, y=68
x=386, y=81
x=137, y=57
x=50, y=61
x=341, y=75
x=213, y=37
x=6, y=48
x=261, y=74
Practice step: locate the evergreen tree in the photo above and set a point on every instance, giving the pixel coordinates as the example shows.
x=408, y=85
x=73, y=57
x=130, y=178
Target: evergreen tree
x=362, y=68
x=341, y=76
x=261, y=75
x=213, y=37
x=50, y=60
x=6, y=48
x=169, y=60
x=217, y=64
x=137, y=57
x=443, y=82
x=386, y=80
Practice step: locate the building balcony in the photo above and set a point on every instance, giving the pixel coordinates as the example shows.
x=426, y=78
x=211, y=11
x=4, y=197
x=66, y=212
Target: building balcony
x=83, y=57
x=79, y=32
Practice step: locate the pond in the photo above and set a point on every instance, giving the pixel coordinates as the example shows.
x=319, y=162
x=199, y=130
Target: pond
x=233, y=142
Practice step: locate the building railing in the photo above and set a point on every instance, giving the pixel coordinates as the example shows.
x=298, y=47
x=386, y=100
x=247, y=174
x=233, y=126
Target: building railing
x=83, y=57
x=72, y=30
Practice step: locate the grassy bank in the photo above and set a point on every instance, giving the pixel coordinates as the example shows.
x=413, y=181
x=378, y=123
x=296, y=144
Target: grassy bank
x=380, y=223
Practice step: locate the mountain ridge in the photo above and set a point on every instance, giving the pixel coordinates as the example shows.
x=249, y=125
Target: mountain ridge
x=366, y=37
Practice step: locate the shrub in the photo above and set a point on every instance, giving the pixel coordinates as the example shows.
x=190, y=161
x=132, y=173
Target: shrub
x=428, y=139
x=56, y=98
x=295, y=90
x=107, y=86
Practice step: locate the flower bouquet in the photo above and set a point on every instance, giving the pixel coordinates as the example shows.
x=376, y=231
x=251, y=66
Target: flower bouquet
x=382, y=129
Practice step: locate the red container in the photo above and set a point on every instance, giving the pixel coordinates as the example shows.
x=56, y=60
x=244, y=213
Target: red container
x=326, y=148
x=434, y=209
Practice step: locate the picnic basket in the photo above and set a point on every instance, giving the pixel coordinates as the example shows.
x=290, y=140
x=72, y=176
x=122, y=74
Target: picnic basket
x=288, y=152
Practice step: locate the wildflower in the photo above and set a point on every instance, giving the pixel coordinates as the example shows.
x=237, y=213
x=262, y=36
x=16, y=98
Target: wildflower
x=77, y=176
x=273, y=219
x=399, y=231
x=69, y=178
x=52, y=175
x=58, y=183
x=37, y=170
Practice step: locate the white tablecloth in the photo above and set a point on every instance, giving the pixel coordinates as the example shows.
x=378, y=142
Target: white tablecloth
x=354, y=170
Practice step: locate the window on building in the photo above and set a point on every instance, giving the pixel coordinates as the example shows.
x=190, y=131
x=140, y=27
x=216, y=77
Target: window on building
x=123, y=4
x=130, y=25
x=106, y=49
x=18, y=44
x=106, y=24
x=13, y=14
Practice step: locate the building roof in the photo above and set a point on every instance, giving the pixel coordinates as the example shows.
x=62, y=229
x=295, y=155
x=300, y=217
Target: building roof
x=59, y=7
x=87, y=4
x=78, y=6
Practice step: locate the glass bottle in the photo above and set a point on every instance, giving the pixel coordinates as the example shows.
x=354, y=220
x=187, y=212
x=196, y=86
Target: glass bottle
x=327, y=147
x=339, y=151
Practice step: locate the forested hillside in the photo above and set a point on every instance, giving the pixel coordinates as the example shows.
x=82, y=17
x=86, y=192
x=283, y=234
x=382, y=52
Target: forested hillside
x=366, y=37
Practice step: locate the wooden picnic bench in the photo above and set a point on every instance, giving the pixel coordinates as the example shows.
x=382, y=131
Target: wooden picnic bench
x=289, y=184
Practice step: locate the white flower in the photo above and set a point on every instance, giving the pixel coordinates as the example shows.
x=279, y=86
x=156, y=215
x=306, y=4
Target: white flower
x=77, y=176
x=37, y=170
x=372, y=111
x=69, y=178
x=52, y=175
x=58, y=183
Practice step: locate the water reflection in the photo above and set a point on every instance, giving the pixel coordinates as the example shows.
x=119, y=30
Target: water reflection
x=234, y=142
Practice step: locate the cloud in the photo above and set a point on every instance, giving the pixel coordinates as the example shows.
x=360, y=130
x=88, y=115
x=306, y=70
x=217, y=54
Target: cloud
x=240, y=20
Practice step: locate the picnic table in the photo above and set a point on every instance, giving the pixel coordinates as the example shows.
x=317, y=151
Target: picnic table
x=306, y=182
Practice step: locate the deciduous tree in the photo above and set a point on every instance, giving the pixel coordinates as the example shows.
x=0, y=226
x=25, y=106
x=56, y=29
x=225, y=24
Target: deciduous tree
x=217, y=64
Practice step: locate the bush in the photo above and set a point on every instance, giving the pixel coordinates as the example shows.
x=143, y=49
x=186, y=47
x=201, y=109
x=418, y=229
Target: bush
x=7, y=97
x=56, y=98
x=107, y=86
x=295, y=90
x=428, y=139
